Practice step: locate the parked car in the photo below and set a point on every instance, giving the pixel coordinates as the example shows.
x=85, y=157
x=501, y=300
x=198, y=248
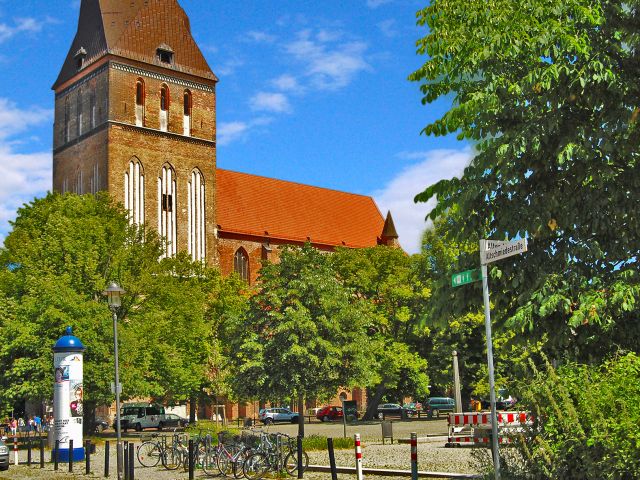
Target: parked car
x=312, y=412
x=4, y=454
x=272, y=415
x=326, y=414
x=436, y=405
x=172, y=420
x=390, y=409
x=100, y=424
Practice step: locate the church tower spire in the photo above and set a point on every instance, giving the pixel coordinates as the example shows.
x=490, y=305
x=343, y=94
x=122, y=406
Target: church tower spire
x=135, y=116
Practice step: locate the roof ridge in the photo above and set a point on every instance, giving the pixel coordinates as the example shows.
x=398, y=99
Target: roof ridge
x=297, y=183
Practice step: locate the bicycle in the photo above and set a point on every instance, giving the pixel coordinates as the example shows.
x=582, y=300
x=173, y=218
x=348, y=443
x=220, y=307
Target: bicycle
x=150, y=452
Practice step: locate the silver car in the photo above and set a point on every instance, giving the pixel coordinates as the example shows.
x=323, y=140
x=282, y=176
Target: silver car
x=4, y=454
x=272, y=415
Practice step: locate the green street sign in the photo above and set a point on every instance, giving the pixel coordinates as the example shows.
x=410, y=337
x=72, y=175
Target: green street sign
x=463, y=278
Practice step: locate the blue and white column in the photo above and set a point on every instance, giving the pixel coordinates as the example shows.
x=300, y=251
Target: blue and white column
x=68, y=394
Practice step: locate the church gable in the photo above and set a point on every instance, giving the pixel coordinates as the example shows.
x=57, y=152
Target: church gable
x=135, y=30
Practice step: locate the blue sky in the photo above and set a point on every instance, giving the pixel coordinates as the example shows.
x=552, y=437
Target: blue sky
x=314, y=92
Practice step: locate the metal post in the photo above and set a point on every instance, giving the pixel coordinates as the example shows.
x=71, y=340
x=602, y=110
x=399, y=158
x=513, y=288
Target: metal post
x=70, y=455
x=356, y=438
x=29, y=451
x=56, y=455
x=87, y=458
x=492, y=386
x=41, y=453
x=117, y=389
x=131, y=462
x=332, y=459
x=456, y=383
x=16, y=460
x=125, y=463
x=300, y=466
x=191, y=472
x=414, y=456
x=106, y=459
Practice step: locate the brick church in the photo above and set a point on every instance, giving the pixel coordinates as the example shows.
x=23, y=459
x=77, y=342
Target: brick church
x=135, y=115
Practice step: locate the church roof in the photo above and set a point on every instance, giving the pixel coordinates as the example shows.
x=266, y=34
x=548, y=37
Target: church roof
x=277, y=209
x=134, y=29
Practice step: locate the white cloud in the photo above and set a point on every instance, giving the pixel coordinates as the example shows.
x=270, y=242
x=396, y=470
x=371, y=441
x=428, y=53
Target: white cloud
x=397, y=196
x=388, y=28
x=230, y=66
x=260, y=37
x=328, y=66
x=377, y=3
x=270, y=102
x=287, y=83
x=229, y=132
x=23, y=176
x=29, y=25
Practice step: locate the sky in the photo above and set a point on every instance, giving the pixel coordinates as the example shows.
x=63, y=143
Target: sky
x=314, y=92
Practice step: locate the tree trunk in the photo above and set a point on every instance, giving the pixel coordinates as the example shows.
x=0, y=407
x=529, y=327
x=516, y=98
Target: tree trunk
x=373, y=401
x=301, y=416
x=193, y=408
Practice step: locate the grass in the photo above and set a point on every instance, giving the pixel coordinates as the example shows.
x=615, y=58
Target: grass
x=317, y=442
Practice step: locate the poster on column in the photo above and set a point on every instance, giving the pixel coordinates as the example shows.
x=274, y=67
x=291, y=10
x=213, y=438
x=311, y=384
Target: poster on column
x=68, y=395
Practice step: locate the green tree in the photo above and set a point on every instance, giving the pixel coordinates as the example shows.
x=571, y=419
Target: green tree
x=547, y=91
x=302, y=335
x=62, y=252
x=387, y=279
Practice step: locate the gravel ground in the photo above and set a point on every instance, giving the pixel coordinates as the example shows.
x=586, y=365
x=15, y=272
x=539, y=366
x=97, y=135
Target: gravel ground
x=432, y=456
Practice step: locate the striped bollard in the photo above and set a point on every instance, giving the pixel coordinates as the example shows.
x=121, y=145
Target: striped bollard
x=15, y=451
x=356, y=437
x=414, y=456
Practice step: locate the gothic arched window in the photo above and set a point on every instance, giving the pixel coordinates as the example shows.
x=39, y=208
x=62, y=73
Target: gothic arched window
x=164, y=108
x=167, y=209
x=241, y=264
x=133, y=191
x=186, y=119
x=196, y=216
x=140, y=98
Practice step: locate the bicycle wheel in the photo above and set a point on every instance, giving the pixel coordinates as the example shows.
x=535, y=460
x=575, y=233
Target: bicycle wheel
x=238, y=463
x=149, y=454
x=291, y=462
x=225, y=461
x=255, y=466
x=171, y=458
x=210, y=463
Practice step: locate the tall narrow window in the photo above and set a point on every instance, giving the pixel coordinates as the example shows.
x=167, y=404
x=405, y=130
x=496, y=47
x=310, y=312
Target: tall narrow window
x=140, y=103
x=79, y=111
x=92, y=110
x=167, y=209
x=133, y=191
x=78, y=187
x=164, y=108
x=241, y=264
x=187, y=113
x=196, y=217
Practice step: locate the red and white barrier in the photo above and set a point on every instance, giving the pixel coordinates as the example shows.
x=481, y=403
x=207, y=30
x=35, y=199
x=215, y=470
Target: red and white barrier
x=414, y=456
x=15, y=451
x=356, y=438
x=480, y=424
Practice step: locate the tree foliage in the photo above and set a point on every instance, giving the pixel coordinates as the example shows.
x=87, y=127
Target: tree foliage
x=387, y=279
x=547, y=91
x=303, y=333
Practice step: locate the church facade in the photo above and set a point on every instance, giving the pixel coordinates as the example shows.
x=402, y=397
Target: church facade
x=135, y=115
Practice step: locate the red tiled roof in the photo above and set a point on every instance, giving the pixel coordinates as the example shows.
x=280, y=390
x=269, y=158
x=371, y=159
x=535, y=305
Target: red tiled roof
x=134, y=29
x=277, y=209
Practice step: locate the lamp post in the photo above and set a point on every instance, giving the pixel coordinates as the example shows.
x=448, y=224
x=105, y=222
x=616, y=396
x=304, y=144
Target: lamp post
x=113, y=293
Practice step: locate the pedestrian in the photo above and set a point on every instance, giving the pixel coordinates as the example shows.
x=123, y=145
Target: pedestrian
x=21, y=425
x=14, y=427
x=38, y=423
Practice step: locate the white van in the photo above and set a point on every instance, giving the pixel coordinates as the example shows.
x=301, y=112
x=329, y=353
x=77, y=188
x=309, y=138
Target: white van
x=142, y=415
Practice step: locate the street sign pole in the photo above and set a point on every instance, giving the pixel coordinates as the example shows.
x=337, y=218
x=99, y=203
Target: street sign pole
x=492, y=386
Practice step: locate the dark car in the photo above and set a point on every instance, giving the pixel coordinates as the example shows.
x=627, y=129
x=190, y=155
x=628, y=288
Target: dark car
x=100, y=424
x=326, y=414
x=390, y=410
x=434, y=406
x=173, y=420
x=4, y=455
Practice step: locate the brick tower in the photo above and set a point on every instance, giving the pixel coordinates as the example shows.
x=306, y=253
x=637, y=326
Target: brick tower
x=135, y=116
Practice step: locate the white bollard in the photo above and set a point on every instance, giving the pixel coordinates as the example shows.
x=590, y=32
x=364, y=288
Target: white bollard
x=359, y=476
x=414, y=456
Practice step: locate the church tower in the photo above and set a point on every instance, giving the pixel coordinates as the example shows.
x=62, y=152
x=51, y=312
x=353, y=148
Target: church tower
x=135, y=116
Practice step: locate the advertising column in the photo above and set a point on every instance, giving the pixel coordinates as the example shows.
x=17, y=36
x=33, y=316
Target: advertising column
x=68, y=392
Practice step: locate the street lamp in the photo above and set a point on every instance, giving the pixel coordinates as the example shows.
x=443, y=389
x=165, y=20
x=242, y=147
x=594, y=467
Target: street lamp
x=113, y=294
